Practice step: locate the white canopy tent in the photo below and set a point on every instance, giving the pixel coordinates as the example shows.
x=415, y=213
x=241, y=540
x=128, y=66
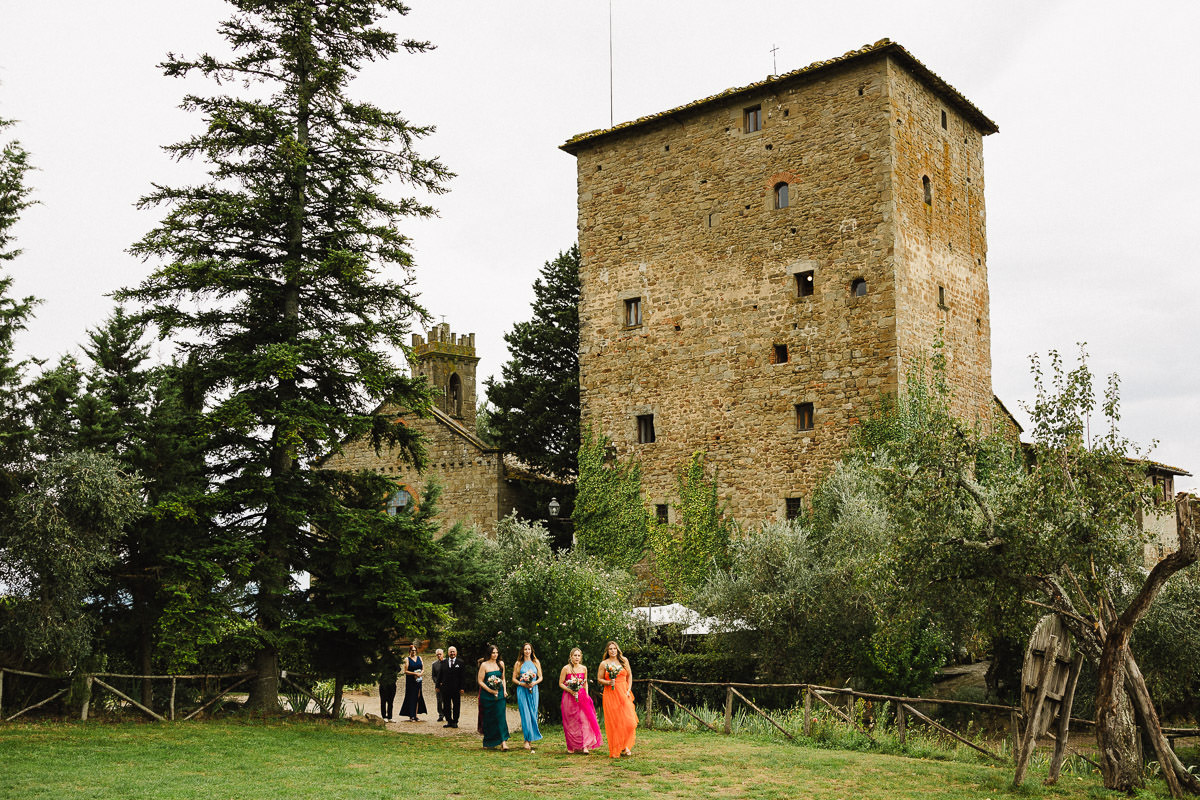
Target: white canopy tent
x=677, y=614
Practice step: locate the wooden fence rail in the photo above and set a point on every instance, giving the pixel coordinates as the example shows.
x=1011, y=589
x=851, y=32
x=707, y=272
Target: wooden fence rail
x=97, y=679
x=904, y=709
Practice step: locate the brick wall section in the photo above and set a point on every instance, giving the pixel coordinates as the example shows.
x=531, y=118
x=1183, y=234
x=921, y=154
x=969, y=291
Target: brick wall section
x=680, y=212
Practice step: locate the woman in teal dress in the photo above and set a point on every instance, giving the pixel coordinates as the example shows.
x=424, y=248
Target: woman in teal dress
x=527, y=674
x=491, y=700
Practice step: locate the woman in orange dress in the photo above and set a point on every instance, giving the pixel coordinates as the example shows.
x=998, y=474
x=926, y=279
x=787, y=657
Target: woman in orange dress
x=620, y=717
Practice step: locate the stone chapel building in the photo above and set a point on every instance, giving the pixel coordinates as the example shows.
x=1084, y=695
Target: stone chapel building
x=758, y=266
x=480, y=485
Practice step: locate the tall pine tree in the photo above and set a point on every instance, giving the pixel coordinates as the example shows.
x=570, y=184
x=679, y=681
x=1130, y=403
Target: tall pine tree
x=14, y=312
x=277, y=279
x=535, y=404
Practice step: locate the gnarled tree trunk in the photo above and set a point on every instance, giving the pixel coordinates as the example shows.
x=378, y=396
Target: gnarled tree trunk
x=1116, y=664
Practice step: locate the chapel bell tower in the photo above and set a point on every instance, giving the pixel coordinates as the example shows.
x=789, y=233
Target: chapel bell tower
x=448, y=362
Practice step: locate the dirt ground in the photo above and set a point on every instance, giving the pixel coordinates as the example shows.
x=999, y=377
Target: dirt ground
x=468, y=715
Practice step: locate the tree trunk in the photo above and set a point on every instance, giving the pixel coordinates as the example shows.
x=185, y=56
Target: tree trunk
x=1116, y=728
x=1113, y=672
x=338, y=685
x=274, y=567
x=145, y=651
x=264, y=689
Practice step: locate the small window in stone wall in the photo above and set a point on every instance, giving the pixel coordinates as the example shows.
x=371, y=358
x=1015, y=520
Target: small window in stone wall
x=858, y=288
x=927, y=185
x=792, y=507
x=804, y=416
x=943, y=120
x=752, y=119
x=805, y=283
x=399, y=501
x=781, y=195
x=941, y=297
x=633, y=312
x=660, y=513
x=781, y=354
x=645, y=429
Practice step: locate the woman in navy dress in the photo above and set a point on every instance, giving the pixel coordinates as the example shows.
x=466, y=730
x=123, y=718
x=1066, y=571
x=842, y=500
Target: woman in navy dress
x=414, y=701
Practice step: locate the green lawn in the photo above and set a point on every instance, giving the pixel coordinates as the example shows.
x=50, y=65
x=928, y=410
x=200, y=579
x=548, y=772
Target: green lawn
x=292, y=761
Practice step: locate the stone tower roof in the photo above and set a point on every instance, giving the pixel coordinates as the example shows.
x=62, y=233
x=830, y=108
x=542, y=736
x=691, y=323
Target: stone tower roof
x=444, y=342
x=880, y=48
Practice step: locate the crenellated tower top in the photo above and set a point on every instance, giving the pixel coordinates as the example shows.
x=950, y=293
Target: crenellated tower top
x=447, y=360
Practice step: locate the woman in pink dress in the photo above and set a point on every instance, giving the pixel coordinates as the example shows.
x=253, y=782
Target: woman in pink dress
x=578, y=713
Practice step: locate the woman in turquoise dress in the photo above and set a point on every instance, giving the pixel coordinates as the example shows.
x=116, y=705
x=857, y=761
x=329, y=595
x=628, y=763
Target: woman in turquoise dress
x=527, y=674
x=491, y=700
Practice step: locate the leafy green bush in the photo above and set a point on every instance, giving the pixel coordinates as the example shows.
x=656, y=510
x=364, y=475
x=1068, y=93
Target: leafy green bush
x=556, y=601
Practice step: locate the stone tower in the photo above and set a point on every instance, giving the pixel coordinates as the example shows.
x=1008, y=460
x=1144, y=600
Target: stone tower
x=761, y=265
x=448, y=362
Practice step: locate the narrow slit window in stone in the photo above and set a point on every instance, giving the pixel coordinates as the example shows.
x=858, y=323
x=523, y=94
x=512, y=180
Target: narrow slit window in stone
x=781, y=195
x=660, y=513
x=858, y=288
x=645, y=428
x=781, y=354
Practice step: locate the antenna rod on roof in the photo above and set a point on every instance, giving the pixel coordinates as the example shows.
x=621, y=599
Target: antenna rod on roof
x=610, y=67
x=774, y=66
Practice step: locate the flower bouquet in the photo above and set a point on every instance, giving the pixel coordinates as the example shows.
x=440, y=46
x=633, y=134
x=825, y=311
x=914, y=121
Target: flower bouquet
x=614, y=670
x=574, y=684
x=494, y=682
x=527, y=678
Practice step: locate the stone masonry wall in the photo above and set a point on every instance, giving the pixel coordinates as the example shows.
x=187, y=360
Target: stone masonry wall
x=474, y=490
x=942, y=243
x=681, y=214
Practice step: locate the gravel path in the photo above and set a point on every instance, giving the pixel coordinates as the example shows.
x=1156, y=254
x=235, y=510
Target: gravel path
x=468, y=714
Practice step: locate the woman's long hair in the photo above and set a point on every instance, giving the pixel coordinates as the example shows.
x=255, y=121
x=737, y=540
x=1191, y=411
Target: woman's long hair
x=532, y=656
x=620, y=656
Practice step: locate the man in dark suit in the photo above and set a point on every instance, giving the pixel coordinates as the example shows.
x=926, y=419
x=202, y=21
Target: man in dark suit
x=453, y=674
x=438, y=666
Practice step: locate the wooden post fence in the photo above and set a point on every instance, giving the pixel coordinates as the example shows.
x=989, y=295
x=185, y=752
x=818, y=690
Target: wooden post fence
x=807, y=711
x=650, y=706
x=729, y=710
x=761, y=713
x=691, y=713
x=901, y=732
x=949, y=732
x=843, y=715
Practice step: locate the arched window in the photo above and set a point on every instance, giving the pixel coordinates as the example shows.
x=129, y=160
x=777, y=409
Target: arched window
x=454, y=395
x=858, y=287
x=928, y=186
x=781, y=195
x=399, y=501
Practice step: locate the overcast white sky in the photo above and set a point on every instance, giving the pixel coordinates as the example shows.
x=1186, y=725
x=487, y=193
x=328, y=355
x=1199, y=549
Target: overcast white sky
x=1093, y=209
